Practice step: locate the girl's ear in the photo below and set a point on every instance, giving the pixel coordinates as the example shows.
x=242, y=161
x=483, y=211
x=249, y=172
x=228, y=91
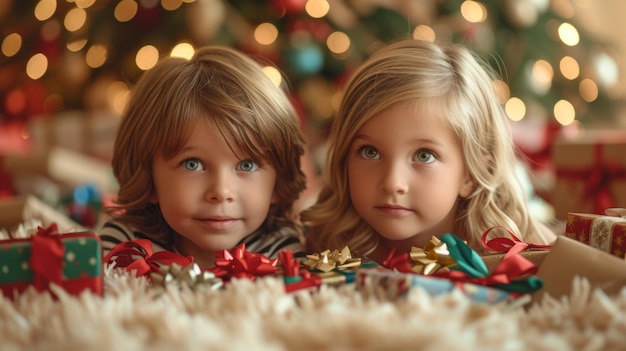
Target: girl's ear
x=467, y=187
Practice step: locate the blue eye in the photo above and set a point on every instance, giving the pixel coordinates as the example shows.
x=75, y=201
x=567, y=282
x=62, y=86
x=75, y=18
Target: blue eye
x=424, y=156
x=368, y=152
x=247, y=166
x=192, y=164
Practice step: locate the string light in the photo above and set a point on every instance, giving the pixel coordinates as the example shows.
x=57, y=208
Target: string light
x=473, y=11
x=569, y=67
x=11, y=44
x=147, y=57
x=338, y=42
x=515, y=109
x=266, y=33
x=317, y=8
x=273, y=74
x=564, y=112
x=568, y=34
x=37, y=66
x=424, y=32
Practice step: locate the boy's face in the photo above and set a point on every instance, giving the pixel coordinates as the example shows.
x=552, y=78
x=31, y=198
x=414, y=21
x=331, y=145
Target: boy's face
x=406, y=173
x=209, y=196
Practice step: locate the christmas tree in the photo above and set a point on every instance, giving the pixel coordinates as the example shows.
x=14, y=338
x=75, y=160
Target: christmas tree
x=86, y=54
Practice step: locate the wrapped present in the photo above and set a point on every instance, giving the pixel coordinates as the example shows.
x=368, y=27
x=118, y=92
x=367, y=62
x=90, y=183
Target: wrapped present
x=66, y=167
x=500, y=245
x=72, y=261
x=390, y=285
x=607, y=233
x=91, y=133
x=590, y=172
x=457, y=265
x=21, y=215
x=569, y=259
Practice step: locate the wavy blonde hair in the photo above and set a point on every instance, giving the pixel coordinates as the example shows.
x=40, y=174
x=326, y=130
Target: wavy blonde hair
x=230, y=90
x=448, y=77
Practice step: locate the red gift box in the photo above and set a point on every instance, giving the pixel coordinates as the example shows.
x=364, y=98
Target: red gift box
x=72, y=261
x=590, y=172
x=607, y=233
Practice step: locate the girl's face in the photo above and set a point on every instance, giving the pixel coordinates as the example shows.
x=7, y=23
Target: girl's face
x=406, y=172
x=211, y=197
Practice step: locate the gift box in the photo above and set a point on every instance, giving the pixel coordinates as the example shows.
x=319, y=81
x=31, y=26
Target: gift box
x=568, y=259
x=390, y=285
x=91, y=133
x=590, y=172
x=536, y=256
x=27, y=209
x=606, y=233
x=72, y=261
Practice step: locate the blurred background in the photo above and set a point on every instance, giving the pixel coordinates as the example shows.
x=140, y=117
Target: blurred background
x=66, y=67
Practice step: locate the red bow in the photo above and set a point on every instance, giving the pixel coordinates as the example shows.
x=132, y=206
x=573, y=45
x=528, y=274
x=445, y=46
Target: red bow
x=512, y=267
x=46, y=258
x=295, y=276
x=504, y=244
x=238, y=263
x=123, y=254
x=400, y=263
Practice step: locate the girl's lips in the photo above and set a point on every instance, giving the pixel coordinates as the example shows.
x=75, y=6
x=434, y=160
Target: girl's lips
x=394, y=211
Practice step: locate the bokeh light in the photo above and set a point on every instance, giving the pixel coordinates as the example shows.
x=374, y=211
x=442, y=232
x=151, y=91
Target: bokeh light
x=564, y=112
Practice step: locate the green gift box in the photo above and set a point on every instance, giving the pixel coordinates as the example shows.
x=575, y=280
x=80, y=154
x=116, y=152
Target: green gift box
x=72, y=261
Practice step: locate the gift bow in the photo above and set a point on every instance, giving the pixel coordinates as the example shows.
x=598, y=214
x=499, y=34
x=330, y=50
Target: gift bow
x=294, y=275
x=46, y=258
x=239, y=263
x=124, y=253
x=434, y=257
x=514, y=273
x=504, y=244
x=327, y=260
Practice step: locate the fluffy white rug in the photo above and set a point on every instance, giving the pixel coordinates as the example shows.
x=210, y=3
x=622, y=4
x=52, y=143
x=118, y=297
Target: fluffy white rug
x=259, y=315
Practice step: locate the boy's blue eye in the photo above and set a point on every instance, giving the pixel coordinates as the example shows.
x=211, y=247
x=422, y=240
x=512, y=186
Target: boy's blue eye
x=424, y=156
x=247, y=166
x=369, y=152
x=192, y=164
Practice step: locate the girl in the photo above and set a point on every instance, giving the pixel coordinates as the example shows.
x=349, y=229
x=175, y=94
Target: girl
x=419, y=148
x=207, y=157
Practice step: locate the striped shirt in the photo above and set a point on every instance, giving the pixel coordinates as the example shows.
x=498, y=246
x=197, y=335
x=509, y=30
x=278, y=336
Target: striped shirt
x=267, y=243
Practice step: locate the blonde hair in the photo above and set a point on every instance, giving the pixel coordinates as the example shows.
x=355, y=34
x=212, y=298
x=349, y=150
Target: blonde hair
x=229, y=90
x=447, y=77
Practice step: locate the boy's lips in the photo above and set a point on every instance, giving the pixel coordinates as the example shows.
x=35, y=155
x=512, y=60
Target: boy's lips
x=218, y=222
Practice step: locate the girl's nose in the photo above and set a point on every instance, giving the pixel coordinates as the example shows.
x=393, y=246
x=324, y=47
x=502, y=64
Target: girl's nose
x=394, y=179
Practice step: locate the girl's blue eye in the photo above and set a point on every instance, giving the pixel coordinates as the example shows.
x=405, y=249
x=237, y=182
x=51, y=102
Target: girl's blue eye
x=192, y=164
x=369, y=152
x=247, y=166
x=424, y=156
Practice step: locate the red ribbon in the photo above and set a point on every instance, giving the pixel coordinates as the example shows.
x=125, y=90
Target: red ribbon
x=124, y=255
x=597, y=179
x=46, y=258
x=513, y=266
x=504, y=244
x=400, y=263
x=238, y=263
x=296, y=277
